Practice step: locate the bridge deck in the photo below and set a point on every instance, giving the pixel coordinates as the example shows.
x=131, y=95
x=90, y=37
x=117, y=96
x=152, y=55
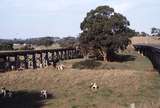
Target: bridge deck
x=21, y=52
x=35, y=58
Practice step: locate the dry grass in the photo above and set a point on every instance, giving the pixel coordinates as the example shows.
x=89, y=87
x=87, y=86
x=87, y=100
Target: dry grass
x=118, y=87
x=145, y=40
x=53, y=46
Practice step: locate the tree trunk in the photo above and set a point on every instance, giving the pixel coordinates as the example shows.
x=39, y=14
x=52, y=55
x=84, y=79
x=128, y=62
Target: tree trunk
x=86, y=57
x=103, y=53
x=109, y=56
x=105, y=56
x=104, y=59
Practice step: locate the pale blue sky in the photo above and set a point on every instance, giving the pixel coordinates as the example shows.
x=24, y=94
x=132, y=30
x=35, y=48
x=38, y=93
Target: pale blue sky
x=35, y=18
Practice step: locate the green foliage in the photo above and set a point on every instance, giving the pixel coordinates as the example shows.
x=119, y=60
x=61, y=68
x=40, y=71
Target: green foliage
x=87, y=64
x=144, y=34
x=155, y=31
x=137, y=33
x=105, y=30
x=46, y=41
x=6, y=46
x=68, y=42
x=75, y=106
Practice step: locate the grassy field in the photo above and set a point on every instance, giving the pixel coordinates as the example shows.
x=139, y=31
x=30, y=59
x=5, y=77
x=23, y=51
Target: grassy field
x=130, y=80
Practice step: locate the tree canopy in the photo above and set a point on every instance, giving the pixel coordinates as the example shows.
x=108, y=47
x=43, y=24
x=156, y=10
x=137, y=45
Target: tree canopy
x=144, y=34
x=155, y=31
x=105, y=31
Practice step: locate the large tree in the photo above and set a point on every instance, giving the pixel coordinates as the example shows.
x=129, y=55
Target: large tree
x=105, y=31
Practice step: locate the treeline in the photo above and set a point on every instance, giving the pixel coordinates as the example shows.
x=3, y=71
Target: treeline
x=34, y=41
x=66, y=42
x=46, y=41
x=6, y=46
x=154, y=32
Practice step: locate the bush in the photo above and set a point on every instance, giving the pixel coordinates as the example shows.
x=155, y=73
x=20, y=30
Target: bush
x=6, y=46
x=87, y=64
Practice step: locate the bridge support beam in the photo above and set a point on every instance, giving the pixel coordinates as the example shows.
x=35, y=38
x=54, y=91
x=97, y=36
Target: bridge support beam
x=34, y=58
x=34, y=61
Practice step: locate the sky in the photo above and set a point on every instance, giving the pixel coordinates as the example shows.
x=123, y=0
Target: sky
x=37, y=18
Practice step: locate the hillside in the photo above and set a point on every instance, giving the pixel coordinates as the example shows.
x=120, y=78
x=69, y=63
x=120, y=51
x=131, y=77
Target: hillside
x=145, y=40
x=120, y=84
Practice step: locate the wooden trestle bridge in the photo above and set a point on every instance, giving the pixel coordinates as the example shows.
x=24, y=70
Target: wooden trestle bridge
x=152, y=52
x=13, y=60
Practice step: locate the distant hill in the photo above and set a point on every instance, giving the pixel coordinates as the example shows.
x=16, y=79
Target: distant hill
x=34, y=41
x=146, y=40
x=2, y=41
x=40, y=42
x=46, y=41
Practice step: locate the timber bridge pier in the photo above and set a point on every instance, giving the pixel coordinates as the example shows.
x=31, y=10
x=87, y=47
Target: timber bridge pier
x=152, y=52
x=14, y=60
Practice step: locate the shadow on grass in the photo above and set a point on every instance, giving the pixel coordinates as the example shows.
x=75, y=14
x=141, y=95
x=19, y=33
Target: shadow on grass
x=24, y=99
x=87, y=64
x=122, y=58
